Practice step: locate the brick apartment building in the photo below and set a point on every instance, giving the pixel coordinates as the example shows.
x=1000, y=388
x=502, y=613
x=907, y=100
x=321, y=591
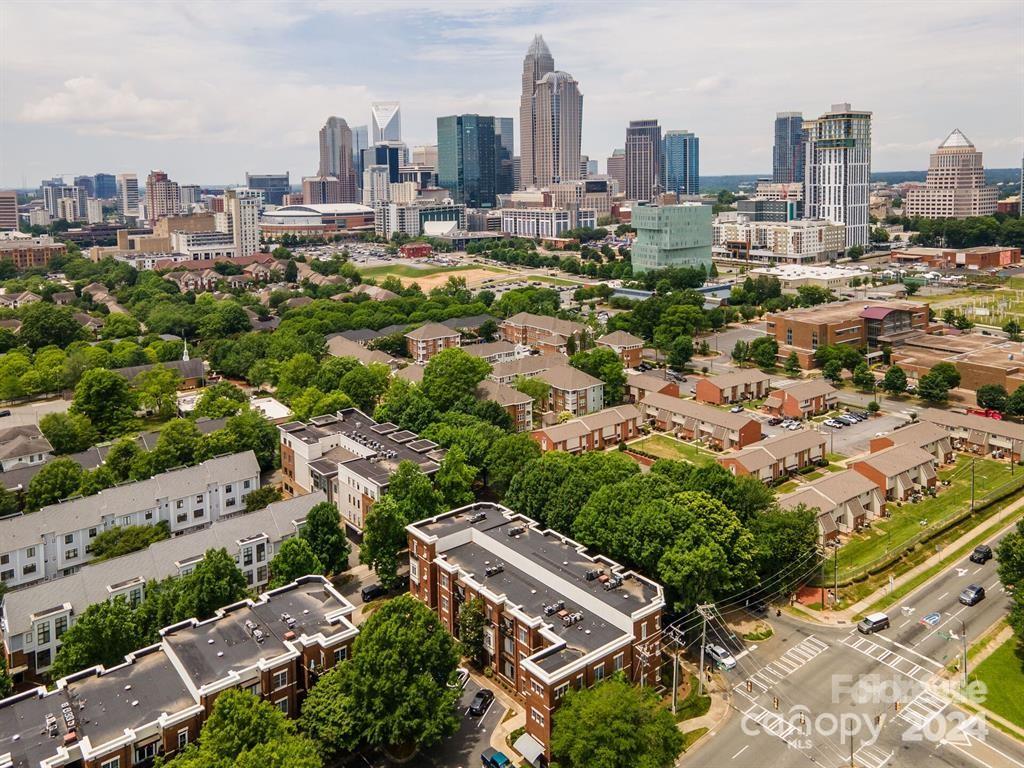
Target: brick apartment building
x=548, y=334
x=427, y=340
x=776, y=457
x=516, y=404
x=802, y=400
x=854, y=323
x=744, y=384
x=691, y=420
x=628, y=347
x=572, y=390
x=899, y=471
x=31, y=253
x=594, y=432
x=925, y=435
x=351, y=458
x=155, y=703
x=844, y=501
x=977, y=434
x=639, y=384
x=559, y=617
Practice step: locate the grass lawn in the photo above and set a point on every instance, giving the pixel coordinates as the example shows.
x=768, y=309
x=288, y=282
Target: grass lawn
x=834, y=468
x=810, y=476
x=834, y=456
x=786, y=487
x=693, y=705
x=553, y=280
x=906, y=521
x=691, y=736
x=407, y=270
x=666, y=447
x=1003, y=673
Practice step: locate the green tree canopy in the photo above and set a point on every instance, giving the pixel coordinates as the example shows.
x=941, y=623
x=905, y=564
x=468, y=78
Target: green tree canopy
x=992, y=396
x=43, y=324
x=383, y=538
x=103, y=634
x=895, y=380
x=507, y=457
x=295, y=558
x=602, y=363
x=472, y=624
x=451, y=376
x=156, y=389
x=455, y=479
x=933, y=387
x=215, y=582
x=58, y=479
x=68, y=432
x=326, y=536
x=219, y=400
x=106, y=399
x=329, y=716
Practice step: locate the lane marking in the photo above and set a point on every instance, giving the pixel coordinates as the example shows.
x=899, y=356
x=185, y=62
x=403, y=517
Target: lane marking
x=740, y=752
x=943, y=595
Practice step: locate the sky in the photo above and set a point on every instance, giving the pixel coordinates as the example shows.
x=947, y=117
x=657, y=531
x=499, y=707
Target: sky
x=208, y=91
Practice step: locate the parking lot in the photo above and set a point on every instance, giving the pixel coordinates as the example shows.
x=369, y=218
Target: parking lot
x=851, y=440
x=462, y=749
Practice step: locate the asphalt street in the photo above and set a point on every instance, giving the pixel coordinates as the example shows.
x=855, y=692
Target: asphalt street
x=811, y=694
x=462, y=750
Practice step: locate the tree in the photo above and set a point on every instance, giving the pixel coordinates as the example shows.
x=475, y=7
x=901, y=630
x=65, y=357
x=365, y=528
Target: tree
x=614, y=725
x=246, y=732
x=506, y=459
x=833, y=371
x=220, y=400
x=214, y=583
x=992, y=396
x=1010, y=556
x=326, y=536
x=488, y=330
x=58, y=479
x=43, y=324
x=103, y=634
x=874, y=407
x=793, y=364
x=6, y=684
x=413, y=492
x=602, y=363
x=329, y=717
x=261, y=498
x=365, y=385
x=249, y=431
x=383, y=538
x=534, y=388
x=854, y=252
x=295, y=558
x=862, y=376
x=763, y=351
x=106, y=399
x=895, y=380
x=1012, y=329
x=949, y=374
x=8, y=506
x=118, y=541
x=291, y=271
x=68, y=432
x=933, y=387
x=680, y=352
x=784, y=537
x=451, y=376
x=1015, y=402
x=455, y=478
x=120, y=326
x=472, y=623
x=402, y=662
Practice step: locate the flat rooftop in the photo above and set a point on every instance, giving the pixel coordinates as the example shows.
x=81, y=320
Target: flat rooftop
x=840, y=311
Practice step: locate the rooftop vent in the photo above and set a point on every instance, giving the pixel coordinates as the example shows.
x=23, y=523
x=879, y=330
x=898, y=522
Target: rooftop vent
x=476, y=517
x=287, y=619
x=572, y=618
x=516, y=530
x=593, y=574
x=551, y=610
x=613, y=583
x=493, y=570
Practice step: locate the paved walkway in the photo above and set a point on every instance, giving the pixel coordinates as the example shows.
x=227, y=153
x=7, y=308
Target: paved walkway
x=716, y=716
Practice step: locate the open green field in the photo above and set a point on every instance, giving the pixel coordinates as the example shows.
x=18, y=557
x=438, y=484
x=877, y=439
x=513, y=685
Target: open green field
x=909, y=520
x=407, y=270
x=1003, y=674
x=666, y=447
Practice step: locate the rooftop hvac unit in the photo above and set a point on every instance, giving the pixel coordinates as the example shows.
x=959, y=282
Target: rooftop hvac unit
x=516, y=530
x=551, y=610
x=593, y=574
x=287, y=619
x=476, y=517
x=493, y=570
x=258, y=635
x=613, y=582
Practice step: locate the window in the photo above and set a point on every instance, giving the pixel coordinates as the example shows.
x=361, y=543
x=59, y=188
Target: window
x=43, y=658
x=599, y=673
x=7, y=575
x=197, y=514
x=149, y=515
x=245, y=484
x=92, y=533
x=536, y=716
x=30, y=552
x=523, y=634
x=282, y=704
x=199, y=498
x=182, y=517
x=182, y=738
x=444, y=580
x=5, y=559
x=179, y=503
x=247, y=556
x=227, y=488
x=280, y=679
x=340, y=654
x=70, y=554
x=135, y=596
x=537, y=687
x=254, y=689
x=618, y=660
x=261, y=574
x=230, y=502
x=60, y=626
x=30, y=568
x=261, y=553
x=69, y=538
x=147, y=752
x=414, y=568
x=114, y=762
x=126, y=520
x=561, y=690
x=248, y=578
x=789, y=335
x=444, y=603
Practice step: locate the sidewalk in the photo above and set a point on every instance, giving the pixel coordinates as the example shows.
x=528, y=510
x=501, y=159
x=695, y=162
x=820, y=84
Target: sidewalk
x=507, y=724
x=716, y=716
x=845, y=616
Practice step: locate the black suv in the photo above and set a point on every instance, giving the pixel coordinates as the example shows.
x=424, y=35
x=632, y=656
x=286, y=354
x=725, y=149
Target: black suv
x=481, y=701
x=981, y=554
x=371, y=592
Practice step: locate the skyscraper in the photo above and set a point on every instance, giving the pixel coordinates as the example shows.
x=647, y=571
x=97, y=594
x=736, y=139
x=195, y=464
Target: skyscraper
x=105, y=186
x=837, y=170
x=8, y=209
x=558, y=128
x=537, y=63
x=162, y=196
x=389, y=154
x=86, y=183
x=386, y=121
x=643, y=160
x=681, y=150
x=71, y=211
x=505, y=151
x=467, y=149
x=128, y=195
x=243, y=210
x=360, y=141
x=788, y=152
x=955, y=187
x=336, y=156
x=274, y=185
x=615, y=166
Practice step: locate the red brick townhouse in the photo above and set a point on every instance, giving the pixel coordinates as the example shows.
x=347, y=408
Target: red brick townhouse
x=628, y=347
x=744, y=384
x=559, y=617
x=548, y=334
x=695, y=421
x=844, y=501
x=920, y=434
x=899, y=471
x=804, y=399
x=427, y=340
x=639, y=384
x=155, y=703
x=777, y=457
x=593, y=432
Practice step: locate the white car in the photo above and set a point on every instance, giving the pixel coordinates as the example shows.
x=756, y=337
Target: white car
x=794, y=426
x=720, y=656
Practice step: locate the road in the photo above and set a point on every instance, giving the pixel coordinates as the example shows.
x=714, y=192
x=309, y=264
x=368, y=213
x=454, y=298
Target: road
x=830, y=684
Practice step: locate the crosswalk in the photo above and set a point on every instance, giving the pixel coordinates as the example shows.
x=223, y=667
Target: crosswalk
x=776, y=725
x=890, y=658
x=922, y=708
x=871, y=756
x=771, y=674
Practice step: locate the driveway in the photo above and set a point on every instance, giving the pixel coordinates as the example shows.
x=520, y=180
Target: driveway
x=31, y=413
x=462, y=750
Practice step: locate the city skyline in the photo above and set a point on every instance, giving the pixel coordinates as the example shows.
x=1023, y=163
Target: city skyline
x=205, y=129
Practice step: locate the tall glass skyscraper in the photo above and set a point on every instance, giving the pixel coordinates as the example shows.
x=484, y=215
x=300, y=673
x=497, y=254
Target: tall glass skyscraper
x=788, y=153
x=682, y=162
x=467, y=152
x=505, y=153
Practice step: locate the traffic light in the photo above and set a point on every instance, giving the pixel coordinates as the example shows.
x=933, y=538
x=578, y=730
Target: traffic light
x=775, y=702
x=896, y=706
x=750, y=686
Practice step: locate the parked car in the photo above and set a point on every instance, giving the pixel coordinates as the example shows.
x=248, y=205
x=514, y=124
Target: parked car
x=981, y=554
x=833, y=423
x=461, y=678
x=794, y=426
x=774, y=421
x=736, y=409
x=847, y=420
x=973, y=595
x=5, y=412
x=720, y=656
x=371, y=592
x=873, y=622
x=492, y=758
x=481, y=701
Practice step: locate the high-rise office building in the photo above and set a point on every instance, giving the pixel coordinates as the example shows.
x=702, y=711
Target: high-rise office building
x=321, y=190
x=788, y=151
x=681, y=151
x=86, y=183
x=425, y=155
x=360, y=141
x=105, y=186
x=94, y=211
x=389, y=154
x=274, y=185
x=955, y=186
x=72, y=210
x=643, y=160
x=162, y=196
x=467, y=150
x=505, y=152
x=243, y=211
x=128, y=195
x=536, y=64
x=376, y=185
x=615, y=166
x=336, y=156
x=671, y=236
x=837, y=170
x=191, y=194
x=8, y=209
x=385, y=121
x=558, y=128
x=591, y=167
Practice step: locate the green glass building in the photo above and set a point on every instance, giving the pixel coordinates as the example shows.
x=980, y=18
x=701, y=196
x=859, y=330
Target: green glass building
x=467, y=159
x=671, y=236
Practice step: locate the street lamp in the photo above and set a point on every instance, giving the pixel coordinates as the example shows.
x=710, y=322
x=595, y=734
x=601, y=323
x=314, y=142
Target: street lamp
x=963, y=640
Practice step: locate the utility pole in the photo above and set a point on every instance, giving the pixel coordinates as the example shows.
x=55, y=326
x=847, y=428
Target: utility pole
x=675, y=679
x=835, y=594
x=703, y=640
x=963, y=641
x=972, y=484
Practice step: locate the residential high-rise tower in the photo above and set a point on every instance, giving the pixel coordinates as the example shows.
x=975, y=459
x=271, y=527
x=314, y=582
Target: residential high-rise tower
x=505, y=151
x=837, y=170
x=467, y=162
x=788, y=151
x=681, y=152
x=163, y=197
x=128, y=195
x=644, y=173
x=243, y=210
